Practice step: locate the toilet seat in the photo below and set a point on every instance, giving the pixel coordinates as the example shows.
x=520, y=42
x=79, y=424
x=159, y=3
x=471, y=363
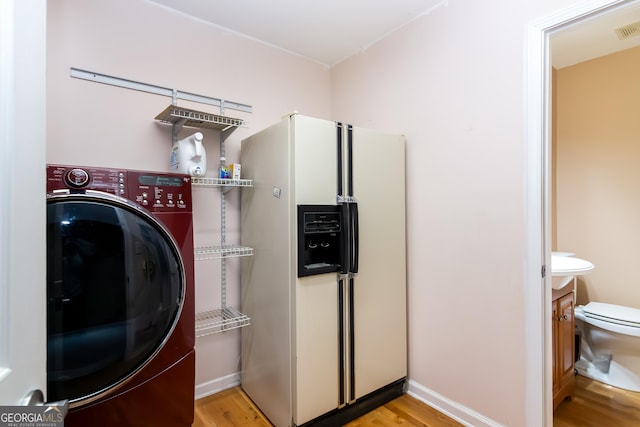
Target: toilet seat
x=615, y=318
x=613, y=313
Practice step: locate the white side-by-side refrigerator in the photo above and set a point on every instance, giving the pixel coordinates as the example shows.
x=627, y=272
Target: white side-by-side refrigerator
x=326, y=286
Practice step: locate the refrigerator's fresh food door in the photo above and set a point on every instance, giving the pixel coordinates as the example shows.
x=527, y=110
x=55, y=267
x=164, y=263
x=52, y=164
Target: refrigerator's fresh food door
x=379, y=290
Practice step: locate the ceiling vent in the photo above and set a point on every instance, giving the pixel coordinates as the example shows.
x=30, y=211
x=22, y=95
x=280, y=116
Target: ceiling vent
x=628, y=31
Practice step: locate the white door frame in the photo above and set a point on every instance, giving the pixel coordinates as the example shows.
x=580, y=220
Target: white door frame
x=539, y=394
x=22, y=211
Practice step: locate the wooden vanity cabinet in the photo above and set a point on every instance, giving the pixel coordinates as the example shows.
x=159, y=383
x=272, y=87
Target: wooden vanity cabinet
x=563, y=344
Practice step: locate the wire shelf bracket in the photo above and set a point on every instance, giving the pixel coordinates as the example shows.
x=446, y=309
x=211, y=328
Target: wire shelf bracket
x=174, y=94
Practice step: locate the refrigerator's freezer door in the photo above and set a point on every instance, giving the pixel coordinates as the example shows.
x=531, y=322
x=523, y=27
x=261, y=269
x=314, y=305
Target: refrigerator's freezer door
x=315, y=160
x=379, y=293
x=316, y=382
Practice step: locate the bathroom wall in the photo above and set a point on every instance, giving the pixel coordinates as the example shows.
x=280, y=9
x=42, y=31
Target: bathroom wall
x=597, y=183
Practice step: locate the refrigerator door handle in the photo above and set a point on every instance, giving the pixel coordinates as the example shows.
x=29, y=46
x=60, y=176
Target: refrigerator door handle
x=346, y=239
x=352, y=340
x=342, y=362
x=355, y=237
x=340, y=178
x=349, y=161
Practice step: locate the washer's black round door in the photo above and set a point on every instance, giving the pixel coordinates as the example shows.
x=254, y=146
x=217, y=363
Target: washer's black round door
x=115, y=285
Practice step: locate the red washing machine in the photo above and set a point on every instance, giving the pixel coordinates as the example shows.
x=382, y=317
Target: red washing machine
x=120, y=296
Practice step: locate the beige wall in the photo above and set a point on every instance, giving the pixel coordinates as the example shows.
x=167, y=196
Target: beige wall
x=452, y=81
x=598, y=173
x=95, y=124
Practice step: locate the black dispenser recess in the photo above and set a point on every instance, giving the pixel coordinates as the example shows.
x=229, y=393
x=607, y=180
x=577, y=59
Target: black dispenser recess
x=320, y=239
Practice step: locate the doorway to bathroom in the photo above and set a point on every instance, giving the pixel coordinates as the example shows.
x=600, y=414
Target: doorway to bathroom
x=543, y=237
x=594, y=153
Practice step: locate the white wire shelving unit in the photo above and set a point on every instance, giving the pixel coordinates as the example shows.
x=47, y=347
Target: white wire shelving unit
x=224, y=318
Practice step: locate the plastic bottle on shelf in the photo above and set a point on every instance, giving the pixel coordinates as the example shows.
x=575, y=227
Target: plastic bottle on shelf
x=223, y=172
x=188, y=156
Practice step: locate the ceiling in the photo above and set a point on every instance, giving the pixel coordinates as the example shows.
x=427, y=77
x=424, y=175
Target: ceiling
x=329, y=31
x=595, y=36
x=326, y=31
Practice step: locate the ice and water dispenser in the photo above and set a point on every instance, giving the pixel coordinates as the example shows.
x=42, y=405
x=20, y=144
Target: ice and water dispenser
x=320, y=239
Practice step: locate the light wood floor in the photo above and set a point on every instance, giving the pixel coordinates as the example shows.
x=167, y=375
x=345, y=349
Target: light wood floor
x=595, y=404
x=232, y=408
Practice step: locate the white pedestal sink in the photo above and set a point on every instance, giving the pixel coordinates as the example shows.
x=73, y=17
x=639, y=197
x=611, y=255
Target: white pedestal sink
x=564, y=268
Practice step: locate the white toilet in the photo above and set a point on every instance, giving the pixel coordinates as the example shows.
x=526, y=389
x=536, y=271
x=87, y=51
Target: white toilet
x=610, y=347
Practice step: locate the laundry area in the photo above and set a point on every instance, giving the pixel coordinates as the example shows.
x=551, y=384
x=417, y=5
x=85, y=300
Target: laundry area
x=196, y=211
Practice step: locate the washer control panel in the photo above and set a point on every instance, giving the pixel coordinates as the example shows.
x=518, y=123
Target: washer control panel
x=156, y=191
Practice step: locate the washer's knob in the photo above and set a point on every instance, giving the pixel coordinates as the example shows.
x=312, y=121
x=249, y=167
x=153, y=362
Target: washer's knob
x=77, y=178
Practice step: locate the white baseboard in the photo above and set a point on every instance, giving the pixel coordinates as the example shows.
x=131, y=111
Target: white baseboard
x=458, y=412
x=217, y=385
